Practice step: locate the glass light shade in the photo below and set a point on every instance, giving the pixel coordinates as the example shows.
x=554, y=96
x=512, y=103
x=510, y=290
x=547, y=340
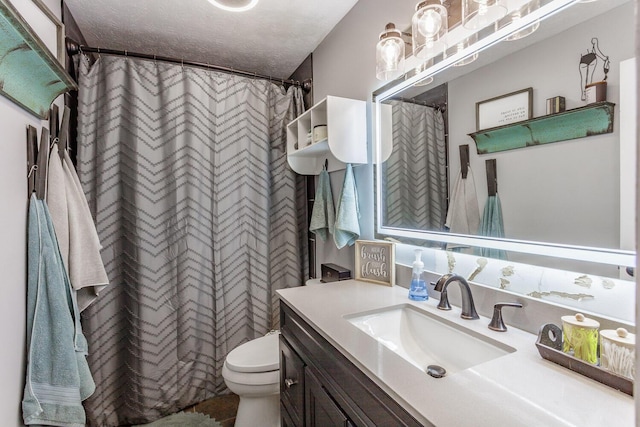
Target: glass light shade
x=234, y=5
x=420, y=68
x=460, y=46
x=515, y=16
x=390, y=54
x=429, y=26
x=478, y=14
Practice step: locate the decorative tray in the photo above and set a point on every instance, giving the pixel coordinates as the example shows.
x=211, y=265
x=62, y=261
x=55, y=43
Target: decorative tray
x=549, y=346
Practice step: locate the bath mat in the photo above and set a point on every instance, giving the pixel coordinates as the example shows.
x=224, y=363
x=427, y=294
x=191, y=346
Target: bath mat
x=184, y=419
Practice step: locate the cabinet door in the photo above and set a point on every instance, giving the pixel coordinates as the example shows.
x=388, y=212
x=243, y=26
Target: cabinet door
x=321, y=410
x=285, y=418
x=291, y=383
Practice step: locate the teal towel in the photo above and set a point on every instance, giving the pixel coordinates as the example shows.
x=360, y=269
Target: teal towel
x=347, y=227
x=323, y=213
x=58, y=377
x=492, y=226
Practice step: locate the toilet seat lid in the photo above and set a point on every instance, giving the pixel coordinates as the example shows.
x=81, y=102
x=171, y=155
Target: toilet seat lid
x=258, y=355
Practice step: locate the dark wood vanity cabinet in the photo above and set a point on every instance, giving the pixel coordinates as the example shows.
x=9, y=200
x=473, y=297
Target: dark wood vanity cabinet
x=292, y=386
x=320, y=387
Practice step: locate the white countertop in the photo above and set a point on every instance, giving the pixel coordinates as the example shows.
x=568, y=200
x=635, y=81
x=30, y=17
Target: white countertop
x=518, y=389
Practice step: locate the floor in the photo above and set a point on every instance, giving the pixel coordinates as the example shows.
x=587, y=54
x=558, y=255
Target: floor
x=222, y=408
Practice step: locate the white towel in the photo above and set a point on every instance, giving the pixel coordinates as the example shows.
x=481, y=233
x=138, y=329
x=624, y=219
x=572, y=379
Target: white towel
x=347, y=228
x=77, y=236
x=57, y=202
x=323, y=213
x=463, y=216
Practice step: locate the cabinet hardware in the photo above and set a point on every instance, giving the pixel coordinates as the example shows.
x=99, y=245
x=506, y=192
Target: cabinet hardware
x=288, y=382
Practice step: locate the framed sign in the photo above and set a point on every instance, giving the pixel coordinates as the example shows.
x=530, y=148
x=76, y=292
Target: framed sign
x=502, y=110
x=376, y=262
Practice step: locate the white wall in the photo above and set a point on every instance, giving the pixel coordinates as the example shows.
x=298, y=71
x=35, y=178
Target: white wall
x=13, y=211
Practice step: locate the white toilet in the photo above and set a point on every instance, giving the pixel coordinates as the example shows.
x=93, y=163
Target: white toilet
x=252, y=371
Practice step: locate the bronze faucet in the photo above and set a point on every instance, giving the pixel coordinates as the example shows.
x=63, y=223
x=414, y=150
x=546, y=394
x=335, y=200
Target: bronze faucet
x=468, y=308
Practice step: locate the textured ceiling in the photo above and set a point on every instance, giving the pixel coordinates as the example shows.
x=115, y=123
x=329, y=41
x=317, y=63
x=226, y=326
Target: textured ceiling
x=271, y=39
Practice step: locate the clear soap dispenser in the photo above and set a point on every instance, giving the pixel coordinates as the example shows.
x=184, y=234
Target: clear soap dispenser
x=418, y=288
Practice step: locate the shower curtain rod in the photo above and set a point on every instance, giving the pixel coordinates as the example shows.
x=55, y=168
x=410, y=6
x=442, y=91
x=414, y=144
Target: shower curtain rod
x=441, y=106
x=73, y=48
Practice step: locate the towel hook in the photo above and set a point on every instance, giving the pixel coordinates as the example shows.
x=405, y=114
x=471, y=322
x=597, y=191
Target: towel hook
x=464, y=160
x=492, y=177
x=326, y=164
x=33, y=169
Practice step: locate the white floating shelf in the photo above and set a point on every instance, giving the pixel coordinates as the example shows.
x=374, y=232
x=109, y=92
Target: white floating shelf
x=346, y=140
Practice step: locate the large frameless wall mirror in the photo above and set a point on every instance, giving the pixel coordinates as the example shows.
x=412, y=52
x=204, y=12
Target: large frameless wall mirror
x=571, y=200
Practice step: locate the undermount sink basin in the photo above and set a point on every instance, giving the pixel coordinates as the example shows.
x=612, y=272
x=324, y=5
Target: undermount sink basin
x=425, y=339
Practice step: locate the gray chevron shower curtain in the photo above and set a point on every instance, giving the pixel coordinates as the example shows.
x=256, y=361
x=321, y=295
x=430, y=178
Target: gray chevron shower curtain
x=414, y=178
x=185, y=171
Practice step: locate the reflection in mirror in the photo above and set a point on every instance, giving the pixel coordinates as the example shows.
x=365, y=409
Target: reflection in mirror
x=562, y=199
x=414, y=177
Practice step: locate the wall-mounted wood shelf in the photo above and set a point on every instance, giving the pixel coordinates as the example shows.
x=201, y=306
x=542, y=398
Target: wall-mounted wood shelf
x=30, y=75
x=593, y=119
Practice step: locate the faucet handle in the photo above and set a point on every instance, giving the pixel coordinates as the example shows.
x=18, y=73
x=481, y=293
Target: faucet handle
x=497, y=324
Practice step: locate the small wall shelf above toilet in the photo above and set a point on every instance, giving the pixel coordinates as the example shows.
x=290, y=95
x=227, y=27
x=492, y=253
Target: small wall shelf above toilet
x=345, y=140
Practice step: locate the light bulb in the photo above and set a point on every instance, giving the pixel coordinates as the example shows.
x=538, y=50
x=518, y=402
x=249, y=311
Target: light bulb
x=428, y=28
x=390, y=52
x=430, y=23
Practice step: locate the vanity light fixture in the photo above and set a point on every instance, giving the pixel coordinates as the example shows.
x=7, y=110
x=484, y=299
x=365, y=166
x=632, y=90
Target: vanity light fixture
x=420, y=68
x=478, y=14
x=462, y=45
x=390, y=54
x=234, y=5
x=517, y=15
x=429, y=26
